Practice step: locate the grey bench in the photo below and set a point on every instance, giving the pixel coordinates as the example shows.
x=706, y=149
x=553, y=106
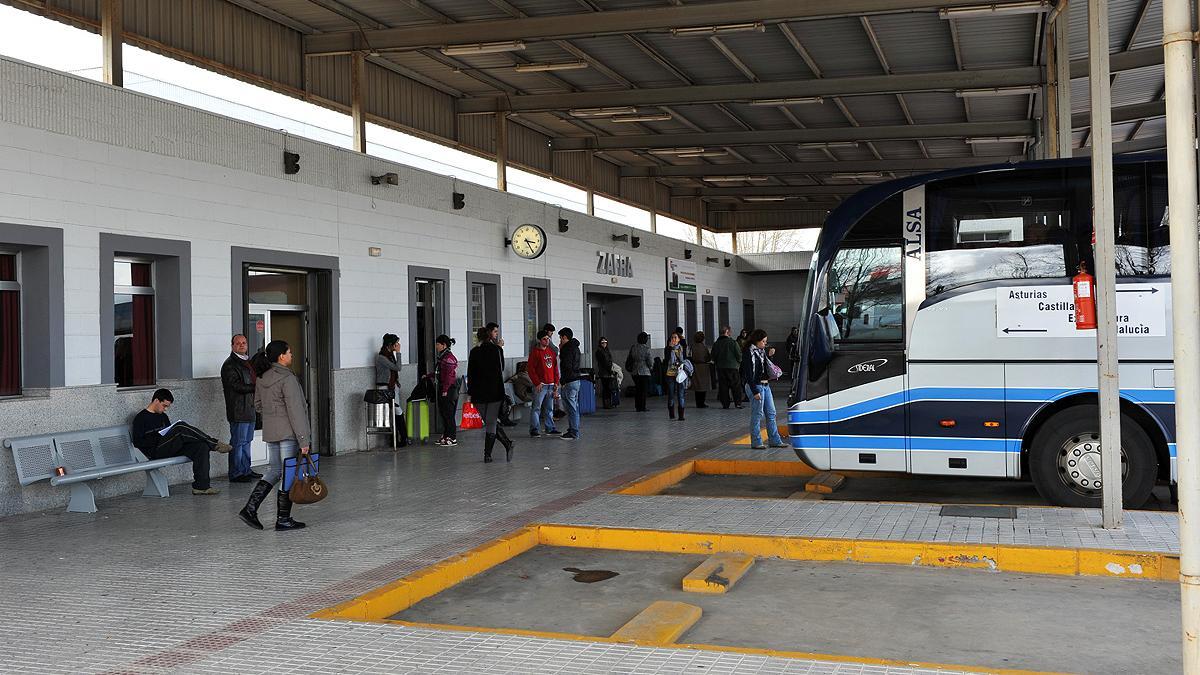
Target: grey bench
x=87, y=456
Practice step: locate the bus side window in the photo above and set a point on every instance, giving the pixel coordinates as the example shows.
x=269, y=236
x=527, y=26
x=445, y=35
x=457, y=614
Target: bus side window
x=998, y=226
x=866, y=295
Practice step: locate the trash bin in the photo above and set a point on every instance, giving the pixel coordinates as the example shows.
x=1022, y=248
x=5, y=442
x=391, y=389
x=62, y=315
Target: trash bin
x=381, y=421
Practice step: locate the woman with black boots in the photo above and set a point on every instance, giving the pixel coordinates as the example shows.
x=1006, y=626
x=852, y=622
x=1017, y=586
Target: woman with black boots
x=280, y=398
x=387, y=376
x=606, y=381
x=485, y=389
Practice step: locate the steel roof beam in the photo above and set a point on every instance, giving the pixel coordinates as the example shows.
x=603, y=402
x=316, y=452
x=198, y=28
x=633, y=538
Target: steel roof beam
x=752, y=169
x=833, y=86
x=823, y=135
x=767, y=190
x=612, y=22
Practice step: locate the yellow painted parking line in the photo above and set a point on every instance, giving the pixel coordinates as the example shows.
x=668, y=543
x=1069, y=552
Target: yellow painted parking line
x=718, y=573
x=662, y=623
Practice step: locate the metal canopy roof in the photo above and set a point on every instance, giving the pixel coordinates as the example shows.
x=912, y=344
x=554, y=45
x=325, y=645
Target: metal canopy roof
x=878, y=84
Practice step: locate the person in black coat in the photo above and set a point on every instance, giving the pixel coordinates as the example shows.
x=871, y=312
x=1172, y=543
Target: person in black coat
x=237, y=383
x=485, y=389
x=604, y=372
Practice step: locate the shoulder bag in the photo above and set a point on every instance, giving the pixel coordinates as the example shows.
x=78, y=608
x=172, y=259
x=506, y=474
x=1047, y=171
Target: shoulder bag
x=307, y=488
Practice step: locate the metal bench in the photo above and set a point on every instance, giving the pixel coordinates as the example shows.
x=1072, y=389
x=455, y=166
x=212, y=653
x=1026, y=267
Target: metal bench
x=86, y=456
x=515, y=413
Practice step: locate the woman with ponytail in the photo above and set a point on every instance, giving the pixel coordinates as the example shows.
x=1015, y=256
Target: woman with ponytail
x=280, y=398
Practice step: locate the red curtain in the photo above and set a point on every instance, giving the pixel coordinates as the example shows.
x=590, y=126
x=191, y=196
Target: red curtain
x=143, y=328
x=10, y=330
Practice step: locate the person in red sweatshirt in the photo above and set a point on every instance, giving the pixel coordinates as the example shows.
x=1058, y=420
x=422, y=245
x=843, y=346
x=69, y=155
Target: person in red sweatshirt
x=543, y=371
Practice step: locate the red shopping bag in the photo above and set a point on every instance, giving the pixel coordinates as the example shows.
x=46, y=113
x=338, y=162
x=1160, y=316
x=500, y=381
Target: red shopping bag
x=471, y=418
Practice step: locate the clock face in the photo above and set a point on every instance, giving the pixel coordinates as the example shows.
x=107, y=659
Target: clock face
x=529, y=241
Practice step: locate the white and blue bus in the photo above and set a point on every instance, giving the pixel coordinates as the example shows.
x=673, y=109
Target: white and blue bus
x=939, y=338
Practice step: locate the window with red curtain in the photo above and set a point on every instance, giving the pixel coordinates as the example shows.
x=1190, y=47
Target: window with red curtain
x=133, y=325
x=10, y=327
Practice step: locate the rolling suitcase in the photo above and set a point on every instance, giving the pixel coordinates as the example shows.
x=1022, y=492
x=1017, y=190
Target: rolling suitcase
x=416, y=419
x=587, y=397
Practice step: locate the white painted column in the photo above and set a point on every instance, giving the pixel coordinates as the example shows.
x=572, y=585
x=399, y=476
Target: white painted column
x=358, y=84
x=1062, y=62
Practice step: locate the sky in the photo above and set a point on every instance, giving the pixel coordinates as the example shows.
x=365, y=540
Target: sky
x=48, y=43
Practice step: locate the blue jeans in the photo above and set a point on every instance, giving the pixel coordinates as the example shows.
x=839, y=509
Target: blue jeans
x=542, y=407
x=676, y=393
x=759, y=409
x=278, y=452
x=240, y=435
x=570, y=401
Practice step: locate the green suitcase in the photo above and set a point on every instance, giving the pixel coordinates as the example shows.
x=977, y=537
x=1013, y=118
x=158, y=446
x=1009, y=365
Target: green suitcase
x=416, y=420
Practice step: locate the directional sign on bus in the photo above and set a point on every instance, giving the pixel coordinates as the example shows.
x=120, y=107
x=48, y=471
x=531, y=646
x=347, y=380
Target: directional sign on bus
x=1049, y=311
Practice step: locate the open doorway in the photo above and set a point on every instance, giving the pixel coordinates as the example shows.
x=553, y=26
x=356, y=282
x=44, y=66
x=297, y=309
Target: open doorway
x=722, y=313
x=614, y=313
x=429, y=300
x=710, y=320
x=689, y=320
x=670, y=315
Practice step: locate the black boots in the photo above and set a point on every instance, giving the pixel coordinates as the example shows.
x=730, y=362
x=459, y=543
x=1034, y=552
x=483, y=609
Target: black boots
x=489, y=442
x=401, y=431
x=680, y=413
x=671, y=409
x=283, y=515
x=506, y=442
x=249, y=512
x=701, y=396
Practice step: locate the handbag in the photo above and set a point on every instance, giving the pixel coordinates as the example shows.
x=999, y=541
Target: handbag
x=773, y=371
x=307, y=488
x=379, y=396
x=471, y=419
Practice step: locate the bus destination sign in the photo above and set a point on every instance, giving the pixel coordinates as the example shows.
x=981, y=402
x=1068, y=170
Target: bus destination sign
x=1049, y=311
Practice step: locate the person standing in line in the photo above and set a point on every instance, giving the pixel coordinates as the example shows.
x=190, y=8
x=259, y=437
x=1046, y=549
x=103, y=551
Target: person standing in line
x=727, y=357
x=485, y=389
x=643, y=366
x=445, y=381
x=683, y=341
x=743, y=339
x=280, y=399
x=543, y=372
x=673, y=359
x=237, y=383
x=757, y=379
x=702, y=376
x=606, y=382
x=792, y=340
x=387, y=376
x=569, y=358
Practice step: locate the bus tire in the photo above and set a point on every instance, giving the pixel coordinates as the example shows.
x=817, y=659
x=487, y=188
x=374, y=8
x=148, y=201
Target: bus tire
x=1064, y=459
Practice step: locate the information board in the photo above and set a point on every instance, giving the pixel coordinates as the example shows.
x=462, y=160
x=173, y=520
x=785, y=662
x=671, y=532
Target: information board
x=1049, y=311
x=681, y=276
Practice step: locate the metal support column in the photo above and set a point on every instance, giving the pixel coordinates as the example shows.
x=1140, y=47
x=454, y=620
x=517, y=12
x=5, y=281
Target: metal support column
x=590, y=172
x=502, y=151
x=112, y=37
x=1106, y=264
x=1185, y=306
x=653, y=204
x=358, y=84
x=1049, y=124
x=1062, y=64
x=734, y=236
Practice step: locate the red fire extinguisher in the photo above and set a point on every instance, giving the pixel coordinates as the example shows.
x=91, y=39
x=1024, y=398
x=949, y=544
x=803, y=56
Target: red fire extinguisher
x=1084, y=286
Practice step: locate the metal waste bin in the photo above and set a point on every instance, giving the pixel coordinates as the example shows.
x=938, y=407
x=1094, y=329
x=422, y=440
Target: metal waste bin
x=381, y=421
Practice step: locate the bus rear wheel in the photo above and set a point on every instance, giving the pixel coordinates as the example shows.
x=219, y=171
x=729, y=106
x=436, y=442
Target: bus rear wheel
x=1064, y=459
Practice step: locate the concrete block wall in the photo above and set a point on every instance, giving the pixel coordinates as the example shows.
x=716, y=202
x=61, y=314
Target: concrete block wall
x=88, y=158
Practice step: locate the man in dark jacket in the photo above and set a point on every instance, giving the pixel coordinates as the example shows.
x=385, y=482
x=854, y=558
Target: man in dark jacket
x=728, y=359
x=569, y=357
x=237, y=380
x=153, y=433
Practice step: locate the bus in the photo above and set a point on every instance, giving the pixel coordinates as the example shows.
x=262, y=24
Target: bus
x=938, y=331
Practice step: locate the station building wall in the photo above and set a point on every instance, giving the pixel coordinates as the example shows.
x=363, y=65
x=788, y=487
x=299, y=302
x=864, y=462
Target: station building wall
x=95, y=164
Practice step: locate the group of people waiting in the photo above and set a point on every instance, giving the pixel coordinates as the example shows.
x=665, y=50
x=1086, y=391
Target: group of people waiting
x=263, y=385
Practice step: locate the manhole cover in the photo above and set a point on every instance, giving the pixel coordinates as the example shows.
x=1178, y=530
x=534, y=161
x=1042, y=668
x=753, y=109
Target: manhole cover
x=970, y=511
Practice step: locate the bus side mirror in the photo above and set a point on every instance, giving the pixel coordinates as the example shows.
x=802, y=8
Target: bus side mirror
x=821, y=350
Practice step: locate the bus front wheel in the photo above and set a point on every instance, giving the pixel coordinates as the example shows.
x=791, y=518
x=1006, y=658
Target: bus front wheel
x=1064, y=459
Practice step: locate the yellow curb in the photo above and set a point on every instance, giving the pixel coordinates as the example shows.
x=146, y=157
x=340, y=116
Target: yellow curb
x=718, y=573
x=662, y=623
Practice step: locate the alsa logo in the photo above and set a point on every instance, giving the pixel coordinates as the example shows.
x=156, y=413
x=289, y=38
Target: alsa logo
x=913, y=227
x=867, y=366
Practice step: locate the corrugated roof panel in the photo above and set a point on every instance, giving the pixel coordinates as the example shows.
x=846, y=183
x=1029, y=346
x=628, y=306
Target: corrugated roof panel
x=388, y=12
x=768, y=55
x=1138, y=86
x=997, y=41
x=528, y=147
x=875, y=110
x=1151, y=31
x=459, y=10
x=408, y=102
x=1155, y=128
x=709, y=117
x=935, y=107
x=697, y=58
x=627, y=60
x=1121, y=17
x=812, y=115
x=431, y=68
x=915, y=42
x=839, y=47
x=998, y=108
x=308, y=13
x=896, y=149
x=947, y=147
x=763, y=117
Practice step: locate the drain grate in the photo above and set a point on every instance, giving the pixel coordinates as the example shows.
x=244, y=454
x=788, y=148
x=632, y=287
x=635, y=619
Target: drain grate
x=971, y=511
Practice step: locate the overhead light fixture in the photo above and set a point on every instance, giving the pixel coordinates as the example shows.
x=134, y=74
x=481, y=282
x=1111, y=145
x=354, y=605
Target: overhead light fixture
x=861, y=174
x=549, y=67
x=676, y=151
x=483, y=48
x=602, y=112
x=829, y=146
x=733, y=179
x=620, y=237
x=711, y=259
x=989, y=140
x=647, y=117
x=705, y=153
x=387, y=178
x=997, y=9
x=765, y=198
x=998, y=91
x=693, y=31
x=801, y=100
